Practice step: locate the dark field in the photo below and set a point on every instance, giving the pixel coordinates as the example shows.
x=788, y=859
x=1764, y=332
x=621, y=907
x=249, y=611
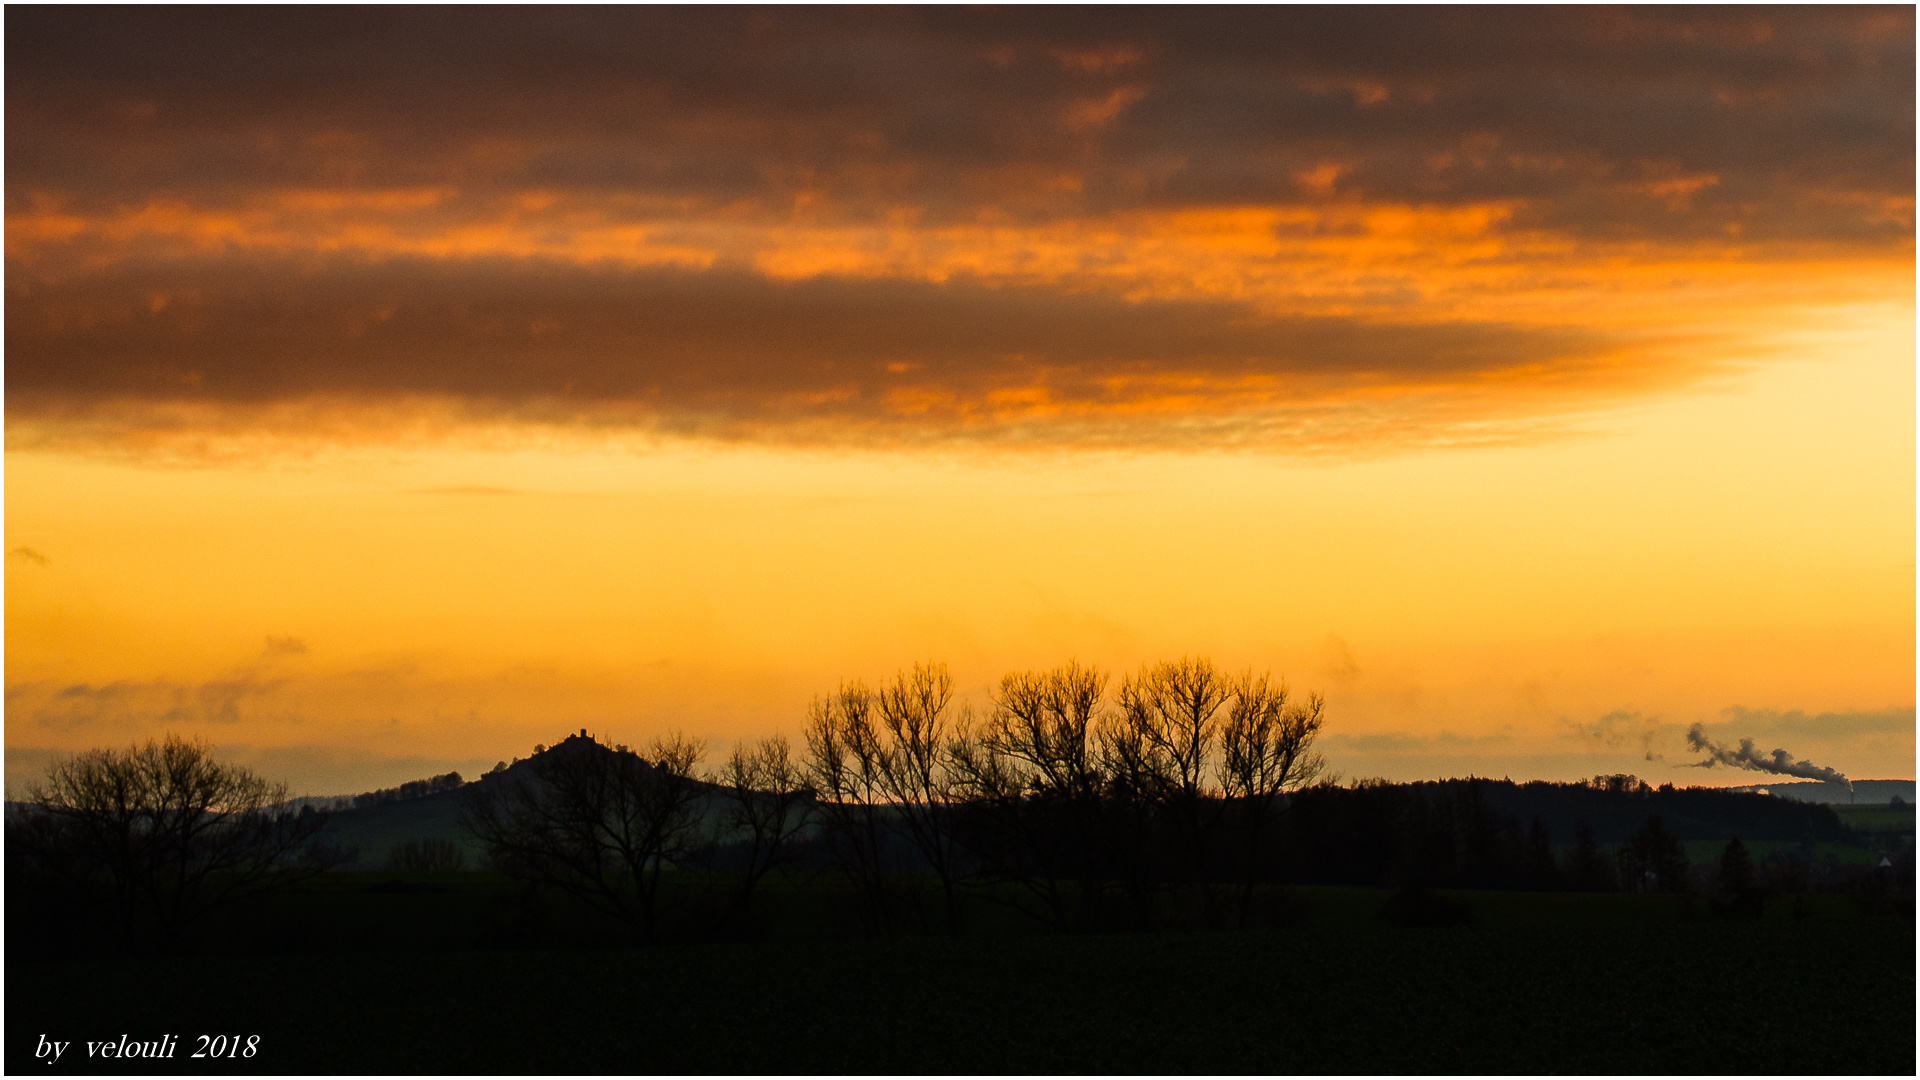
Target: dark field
x=1877, y=819
x=1537, y=983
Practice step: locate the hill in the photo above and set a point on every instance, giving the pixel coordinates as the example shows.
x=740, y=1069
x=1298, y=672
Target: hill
x=371, y=825
x=1864, y=792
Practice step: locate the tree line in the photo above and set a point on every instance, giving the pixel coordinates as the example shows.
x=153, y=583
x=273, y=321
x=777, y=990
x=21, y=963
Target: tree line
x=1184, y=794
x=1179, y=794
x=412, y=789
x=1096, y=810
x=1496, y=834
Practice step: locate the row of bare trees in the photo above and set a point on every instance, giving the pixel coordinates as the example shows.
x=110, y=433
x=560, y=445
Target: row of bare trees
x=1058, y=791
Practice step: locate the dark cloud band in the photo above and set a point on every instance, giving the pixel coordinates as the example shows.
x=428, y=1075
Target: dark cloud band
x=1803, y=119
x=730, y=346
x=176, y=179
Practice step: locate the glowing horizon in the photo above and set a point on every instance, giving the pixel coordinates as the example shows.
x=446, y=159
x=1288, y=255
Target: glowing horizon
x=1534, y=395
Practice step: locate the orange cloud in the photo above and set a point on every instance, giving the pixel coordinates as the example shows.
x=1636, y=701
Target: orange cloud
x=1161, y=217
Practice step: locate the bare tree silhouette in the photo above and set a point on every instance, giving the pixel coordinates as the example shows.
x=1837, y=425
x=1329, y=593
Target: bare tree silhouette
x=1265, y=749
x=769, y=806
x=847, y=766
x=164, y=833
x=601, y=823
x=1172, y=711
x=917, y=773
x=1135, y=778
x=1032, y=771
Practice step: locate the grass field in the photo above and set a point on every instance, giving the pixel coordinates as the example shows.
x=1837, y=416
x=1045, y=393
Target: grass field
x=1539, y=983
x=1706, y=853
x=1877, y=819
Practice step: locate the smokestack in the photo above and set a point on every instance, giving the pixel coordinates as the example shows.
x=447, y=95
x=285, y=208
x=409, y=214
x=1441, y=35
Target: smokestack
x=1779, y=763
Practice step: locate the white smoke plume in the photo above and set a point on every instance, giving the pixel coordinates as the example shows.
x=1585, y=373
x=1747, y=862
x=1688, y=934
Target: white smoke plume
x=1779, y=762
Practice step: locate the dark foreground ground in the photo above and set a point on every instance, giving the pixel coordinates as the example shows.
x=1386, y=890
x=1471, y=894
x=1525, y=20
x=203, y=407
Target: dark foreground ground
x=1538, y=984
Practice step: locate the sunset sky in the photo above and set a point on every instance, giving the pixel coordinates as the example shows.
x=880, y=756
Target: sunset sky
x=388, y=391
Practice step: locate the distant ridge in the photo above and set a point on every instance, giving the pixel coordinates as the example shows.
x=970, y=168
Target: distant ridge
x=412, y=789
x=1864, y=793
